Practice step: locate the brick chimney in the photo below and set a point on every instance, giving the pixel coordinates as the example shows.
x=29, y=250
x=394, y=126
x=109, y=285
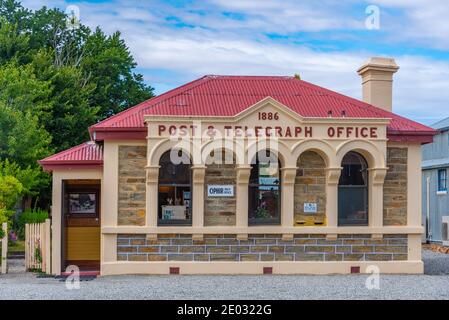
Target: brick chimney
x=377, y=81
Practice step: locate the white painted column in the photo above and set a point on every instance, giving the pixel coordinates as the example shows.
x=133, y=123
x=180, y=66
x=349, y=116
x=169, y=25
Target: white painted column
x=375, y=205
x=242, y=174
x=332, y=178
x=152, y=195
x=288, y=196
x=414, y=177
x=56, y=216
x=198, y=173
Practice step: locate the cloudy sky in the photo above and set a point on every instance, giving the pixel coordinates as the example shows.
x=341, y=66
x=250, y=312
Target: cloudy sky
x=324, y=41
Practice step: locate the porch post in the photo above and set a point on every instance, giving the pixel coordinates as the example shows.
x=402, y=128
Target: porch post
x=332, y=178
x=375, y=206
x=198, y=173
x=152, y=195
x=288, y=196
x=243, y=173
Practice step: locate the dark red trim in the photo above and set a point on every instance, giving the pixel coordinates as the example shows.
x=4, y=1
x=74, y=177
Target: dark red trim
x=101, y=134
x=411, y=136
x=66, y=166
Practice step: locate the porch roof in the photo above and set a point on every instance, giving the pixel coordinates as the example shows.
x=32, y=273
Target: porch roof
x=86, y=155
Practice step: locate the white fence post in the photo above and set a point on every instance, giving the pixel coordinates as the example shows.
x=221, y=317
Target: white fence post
x=4, y=255
x=47, y=246
x=38, y=237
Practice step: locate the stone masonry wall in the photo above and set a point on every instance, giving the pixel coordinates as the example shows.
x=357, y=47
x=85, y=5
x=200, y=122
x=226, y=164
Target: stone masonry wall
x=395, y=187
x=310, y=186
x=262, y=247
x=131, y=185
x=219, y=211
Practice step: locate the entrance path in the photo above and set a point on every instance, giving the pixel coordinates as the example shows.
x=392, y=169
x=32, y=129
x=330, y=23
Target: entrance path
x=433, y=285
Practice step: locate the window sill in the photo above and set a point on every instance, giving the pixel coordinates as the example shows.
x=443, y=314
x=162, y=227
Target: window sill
x=441, y=193
x=262, y=229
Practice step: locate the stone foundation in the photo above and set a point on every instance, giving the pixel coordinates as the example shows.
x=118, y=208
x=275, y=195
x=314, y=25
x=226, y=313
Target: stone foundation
x=263, y=247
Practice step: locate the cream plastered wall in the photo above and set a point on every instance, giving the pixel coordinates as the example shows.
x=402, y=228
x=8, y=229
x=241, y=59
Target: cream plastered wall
x=331, y=149
x=59, y=176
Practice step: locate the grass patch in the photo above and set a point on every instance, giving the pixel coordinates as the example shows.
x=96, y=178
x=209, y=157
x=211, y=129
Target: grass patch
x=17, y=246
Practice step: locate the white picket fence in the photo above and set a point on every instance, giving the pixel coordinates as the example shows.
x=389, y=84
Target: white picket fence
x=4, y=253
x=37, y=246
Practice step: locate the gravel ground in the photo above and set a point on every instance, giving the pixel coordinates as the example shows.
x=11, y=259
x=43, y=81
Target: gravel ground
x=433, y=285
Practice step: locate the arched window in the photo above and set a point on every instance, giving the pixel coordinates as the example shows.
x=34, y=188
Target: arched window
x=264, y=203
x=175, y=196
x=353, y=191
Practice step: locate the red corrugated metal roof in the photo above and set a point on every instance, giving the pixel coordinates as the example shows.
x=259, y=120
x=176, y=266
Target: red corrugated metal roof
x=228, y=95
x=85, y=153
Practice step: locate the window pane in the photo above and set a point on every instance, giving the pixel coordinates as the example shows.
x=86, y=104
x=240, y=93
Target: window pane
x=174, y=195
x=174, y=203
x=264, y=191
x=353, y=191
x=264, y=202
x=352, y=206
x=442, y=180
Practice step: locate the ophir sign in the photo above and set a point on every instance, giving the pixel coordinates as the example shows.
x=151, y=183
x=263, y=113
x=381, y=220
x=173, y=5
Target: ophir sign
x=220, y=190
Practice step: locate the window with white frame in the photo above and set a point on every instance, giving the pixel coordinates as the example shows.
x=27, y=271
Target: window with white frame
x=442, y=180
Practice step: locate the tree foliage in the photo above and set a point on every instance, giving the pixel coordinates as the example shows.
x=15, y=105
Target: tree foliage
x=55, y=81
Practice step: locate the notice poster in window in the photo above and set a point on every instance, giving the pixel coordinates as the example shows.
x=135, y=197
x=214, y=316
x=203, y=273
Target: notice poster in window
x=167, y=213
x=310, y=207
x=82, y=203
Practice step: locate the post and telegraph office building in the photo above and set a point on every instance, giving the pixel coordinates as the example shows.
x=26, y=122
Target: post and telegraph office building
x=245, y=175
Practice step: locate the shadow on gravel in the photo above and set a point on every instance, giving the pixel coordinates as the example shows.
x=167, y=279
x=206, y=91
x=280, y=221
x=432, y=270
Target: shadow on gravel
x=435, y=263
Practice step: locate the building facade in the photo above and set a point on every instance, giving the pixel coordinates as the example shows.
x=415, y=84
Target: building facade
x=248, y=175
x=435, y=165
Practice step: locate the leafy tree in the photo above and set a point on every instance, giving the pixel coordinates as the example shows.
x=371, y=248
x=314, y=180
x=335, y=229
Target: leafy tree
x=55, y=81
x=30, y=177
x=13, y=42
x=22, y=139
x=10, y=190
x=22, y=90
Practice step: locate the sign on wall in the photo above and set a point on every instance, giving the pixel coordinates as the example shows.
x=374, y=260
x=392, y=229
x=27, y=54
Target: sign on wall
x=220, y=190
x=310, y=207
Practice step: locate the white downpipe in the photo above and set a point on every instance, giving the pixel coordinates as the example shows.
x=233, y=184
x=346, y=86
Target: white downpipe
x=428, y=229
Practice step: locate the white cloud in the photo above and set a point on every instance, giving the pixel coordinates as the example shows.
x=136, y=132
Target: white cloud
x=220, y=45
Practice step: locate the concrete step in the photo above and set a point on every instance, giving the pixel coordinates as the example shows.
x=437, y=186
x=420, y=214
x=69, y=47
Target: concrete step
x=16, y=255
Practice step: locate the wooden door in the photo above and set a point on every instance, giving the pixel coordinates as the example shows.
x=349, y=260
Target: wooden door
x=82, y=226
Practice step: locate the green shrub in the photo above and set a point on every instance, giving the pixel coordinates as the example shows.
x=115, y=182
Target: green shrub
x=29, y=216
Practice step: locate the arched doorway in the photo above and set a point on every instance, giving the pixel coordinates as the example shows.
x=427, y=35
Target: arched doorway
x=175, y=190
x=264, y=203
x=353, y=191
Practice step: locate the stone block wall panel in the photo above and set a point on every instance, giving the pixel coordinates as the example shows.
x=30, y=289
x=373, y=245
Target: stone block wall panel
x=395, y=188
x=220, y=211
x=310, y=186
x=261, y=247
x=132, y=185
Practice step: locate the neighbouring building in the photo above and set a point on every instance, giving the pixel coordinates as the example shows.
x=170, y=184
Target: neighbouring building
x=248, y=175
x=435, y=165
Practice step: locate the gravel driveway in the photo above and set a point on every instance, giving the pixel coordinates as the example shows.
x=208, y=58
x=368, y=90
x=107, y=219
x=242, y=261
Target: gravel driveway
x=433, y=285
